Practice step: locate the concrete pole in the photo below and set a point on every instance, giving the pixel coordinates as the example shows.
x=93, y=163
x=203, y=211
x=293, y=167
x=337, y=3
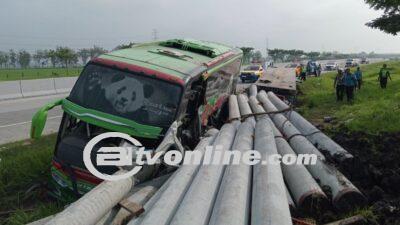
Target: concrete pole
x=269, y=199
x=197, y=205
x=314, y=135
x=253, y=90
x=149, y=204
x=235, y=189
x=140, y=197
x=344, y=194
x=291, y=203
x=288, y=129
x=163, y=210
x=245, y=110
x=307, y=193
x=147, y=207
x=141, y=194
x=243, y=105
x=257, y=108
x=234, y=112
x=95, y=204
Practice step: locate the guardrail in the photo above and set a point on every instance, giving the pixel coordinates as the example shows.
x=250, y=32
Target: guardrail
x=34, y=88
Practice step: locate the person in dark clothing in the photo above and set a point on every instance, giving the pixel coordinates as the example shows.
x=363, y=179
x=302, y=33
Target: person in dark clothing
x=350, y=82
x=303, y=74
x=358, y=74
x=384, y=74
x=339, y=85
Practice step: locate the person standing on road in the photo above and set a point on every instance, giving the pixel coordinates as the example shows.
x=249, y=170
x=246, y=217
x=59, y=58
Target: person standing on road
x=350, y=82
x=358, y=74
x=319, y=70
x=339, y=85
x=384, y=74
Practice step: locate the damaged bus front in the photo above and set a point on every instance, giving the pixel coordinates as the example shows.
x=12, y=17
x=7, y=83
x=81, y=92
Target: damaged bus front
x=151, y=102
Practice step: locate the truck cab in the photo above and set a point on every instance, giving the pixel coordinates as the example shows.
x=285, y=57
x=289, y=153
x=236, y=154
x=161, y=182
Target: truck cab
x=144, y=91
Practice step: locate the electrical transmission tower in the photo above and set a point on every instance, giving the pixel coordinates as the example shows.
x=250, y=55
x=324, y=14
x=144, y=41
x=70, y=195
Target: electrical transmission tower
x=155, y=34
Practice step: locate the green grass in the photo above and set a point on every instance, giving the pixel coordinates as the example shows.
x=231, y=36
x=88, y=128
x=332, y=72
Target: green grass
x=374, y=110
x=25, y=165
x=37, y=73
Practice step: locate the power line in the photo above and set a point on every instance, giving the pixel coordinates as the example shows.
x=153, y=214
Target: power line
x=8, y=36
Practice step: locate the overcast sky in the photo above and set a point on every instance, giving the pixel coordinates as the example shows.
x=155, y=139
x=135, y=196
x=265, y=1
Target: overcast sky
x=321, y=25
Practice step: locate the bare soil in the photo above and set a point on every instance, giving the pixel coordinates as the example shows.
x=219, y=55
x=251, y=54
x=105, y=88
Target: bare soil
x=375, y=170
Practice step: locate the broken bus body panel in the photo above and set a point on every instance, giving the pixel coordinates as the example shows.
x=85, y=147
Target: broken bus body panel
x=140, y=91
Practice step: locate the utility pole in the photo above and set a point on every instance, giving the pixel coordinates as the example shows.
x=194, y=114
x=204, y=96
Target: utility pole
x=267, y=46
x=155, y=34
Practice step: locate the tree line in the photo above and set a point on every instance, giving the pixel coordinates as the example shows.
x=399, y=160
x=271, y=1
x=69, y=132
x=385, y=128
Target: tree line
x=249, y=55
x=291, y=55
x=297, y=55
x=59, y=57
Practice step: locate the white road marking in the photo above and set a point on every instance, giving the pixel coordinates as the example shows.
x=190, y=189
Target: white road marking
x=26, y=122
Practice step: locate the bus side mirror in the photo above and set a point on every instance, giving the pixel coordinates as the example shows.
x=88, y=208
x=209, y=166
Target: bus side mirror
x=40, y=117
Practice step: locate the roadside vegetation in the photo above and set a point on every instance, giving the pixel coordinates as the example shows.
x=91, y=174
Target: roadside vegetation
x=44, y=63
x=37, y=73
x=369, y=128
x=374, y=110
x=24, y=173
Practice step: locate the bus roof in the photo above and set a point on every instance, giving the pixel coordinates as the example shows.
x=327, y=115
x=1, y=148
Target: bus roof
x=180, y=58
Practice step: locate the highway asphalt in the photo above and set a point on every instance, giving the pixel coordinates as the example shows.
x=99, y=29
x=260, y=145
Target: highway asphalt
x=16, y=115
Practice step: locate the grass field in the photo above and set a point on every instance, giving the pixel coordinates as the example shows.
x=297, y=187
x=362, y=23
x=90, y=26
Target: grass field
x=24, y=171
x=374, y=110
x=37, y=73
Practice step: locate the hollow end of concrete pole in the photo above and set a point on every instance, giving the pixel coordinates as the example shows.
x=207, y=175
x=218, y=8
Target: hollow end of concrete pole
x=313, y=202
x=349, y=199
x=293, y=209
x=344, y=159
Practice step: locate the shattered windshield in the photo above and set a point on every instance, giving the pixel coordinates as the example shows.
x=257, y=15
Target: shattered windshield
x=142, y=99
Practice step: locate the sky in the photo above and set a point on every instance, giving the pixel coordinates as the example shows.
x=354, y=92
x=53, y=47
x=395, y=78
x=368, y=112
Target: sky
x=310, y=25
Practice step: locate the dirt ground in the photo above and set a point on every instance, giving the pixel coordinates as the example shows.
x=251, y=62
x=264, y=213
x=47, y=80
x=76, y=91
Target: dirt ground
x=375, y=170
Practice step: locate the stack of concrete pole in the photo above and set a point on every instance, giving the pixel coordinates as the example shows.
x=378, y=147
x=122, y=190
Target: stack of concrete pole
x=321, y=176
x=314, y=135
x=101, y=205
x=240, y=194
x=260, y=194
x=306, y=192
x=344, y=194
x=170, y=199
x=227, y=194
